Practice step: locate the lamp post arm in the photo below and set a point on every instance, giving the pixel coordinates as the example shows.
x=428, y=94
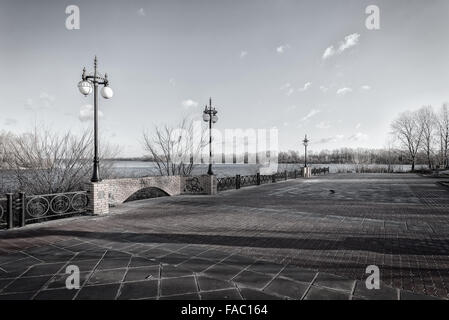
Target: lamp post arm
x=97, y=79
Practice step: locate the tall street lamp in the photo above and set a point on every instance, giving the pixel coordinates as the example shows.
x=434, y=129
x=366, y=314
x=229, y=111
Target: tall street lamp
x=305, y=142
x=85, y=87
x=210, y=115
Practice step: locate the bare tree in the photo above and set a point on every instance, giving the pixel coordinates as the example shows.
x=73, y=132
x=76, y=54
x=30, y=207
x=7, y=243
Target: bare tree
x=47, y=162
x=6, y=177
x=173, y=149
x=443, y=132
x=428, y=122
x=407, y=130
x=389, y=154
x=5, y=153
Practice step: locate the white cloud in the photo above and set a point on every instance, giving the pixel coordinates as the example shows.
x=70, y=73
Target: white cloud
x=189, y=103
x=141, y=12
x=287, y=88
x=358, y=125
x=365, y=87
x=290, y=92
x=323, y=125
x=325, y=140
x=311, y=114
x=349, y=41
x=243, y=54
x=329, y=52
x=323, y=88
x=87, y=113
x=44, y=101
x=282, y=48
x=306, y=86
x=10, y=121
x=358, y=137
x=290, y=108
x=29, y=103
x=343, y=91
x=331, y=139
x=172, y=82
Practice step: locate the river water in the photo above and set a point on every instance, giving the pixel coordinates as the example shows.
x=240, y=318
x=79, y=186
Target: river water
x=142, y=168
x=135, y=169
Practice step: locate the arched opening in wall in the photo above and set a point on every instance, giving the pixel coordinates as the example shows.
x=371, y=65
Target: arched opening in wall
x=147, y=193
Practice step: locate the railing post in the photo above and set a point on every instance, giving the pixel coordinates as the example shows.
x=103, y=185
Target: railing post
x=258, y=179
x=286, y=174
x=273, y=178
x=9, y=210
x=22, y=209
x=237, y=181
x=295, y=173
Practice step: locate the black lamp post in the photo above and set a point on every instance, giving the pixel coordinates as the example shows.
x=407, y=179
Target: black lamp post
x=210, y=115
x=305, y=142
x=85, y=87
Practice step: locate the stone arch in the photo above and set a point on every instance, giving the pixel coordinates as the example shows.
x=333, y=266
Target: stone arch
x=147, y=193
x=119, y=190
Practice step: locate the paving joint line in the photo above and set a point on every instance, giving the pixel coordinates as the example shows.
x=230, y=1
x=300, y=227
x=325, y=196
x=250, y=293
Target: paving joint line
x=45, y=285
x=309, y=286
x=89, y=276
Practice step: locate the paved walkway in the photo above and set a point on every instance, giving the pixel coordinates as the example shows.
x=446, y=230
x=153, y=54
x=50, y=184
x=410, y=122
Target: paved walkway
x=299, y=239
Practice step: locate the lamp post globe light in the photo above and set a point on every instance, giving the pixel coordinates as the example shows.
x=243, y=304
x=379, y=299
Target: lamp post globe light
x=210, y=115
x=88, y=84
x=305, y=142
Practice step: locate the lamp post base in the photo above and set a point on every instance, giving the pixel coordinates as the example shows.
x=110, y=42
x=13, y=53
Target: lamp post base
x=209, y=171
x=96, y=175
x=306, y=172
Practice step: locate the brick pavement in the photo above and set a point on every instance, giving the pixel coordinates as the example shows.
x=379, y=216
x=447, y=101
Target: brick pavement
x=299, y=239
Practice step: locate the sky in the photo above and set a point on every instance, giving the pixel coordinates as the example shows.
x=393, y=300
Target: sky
x=303, y=67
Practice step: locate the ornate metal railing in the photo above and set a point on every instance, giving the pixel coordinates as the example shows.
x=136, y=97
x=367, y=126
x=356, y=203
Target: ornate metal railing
x=248, y=181
x=265, y=179
x=55, y=205
x=238, y=181
x=226, y=183
x=280, y=176
x=316, y=171
x=21, y=209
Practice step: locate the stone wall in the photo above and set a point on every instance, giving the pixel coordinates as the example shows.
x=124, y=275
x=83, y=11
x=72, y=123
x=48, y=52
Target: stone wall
x=111, y=192
x=199, y=185
x=98, y=194
x=122, y=189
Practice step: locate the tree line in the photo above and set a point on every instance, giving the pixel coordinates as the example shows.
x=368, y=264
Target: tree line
x=424, y=132
x=347, y=156
x=417, y=137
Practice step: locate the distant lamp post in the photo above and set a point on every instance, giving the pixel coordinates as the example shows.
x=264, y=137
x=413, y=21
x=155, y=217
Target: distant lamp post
x=88, y=84
x=210, y=115
x=305, y=142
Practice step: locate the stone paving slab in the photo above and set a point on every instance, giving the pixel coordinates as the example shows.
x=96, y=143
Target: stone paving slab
x=291, y=240
x=144, y=278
